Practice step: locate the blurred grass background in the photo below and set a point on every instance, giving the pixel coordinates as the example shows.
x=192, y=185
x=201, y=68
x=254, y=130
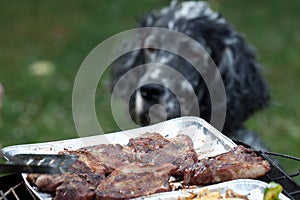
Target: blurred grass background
x=43, y=43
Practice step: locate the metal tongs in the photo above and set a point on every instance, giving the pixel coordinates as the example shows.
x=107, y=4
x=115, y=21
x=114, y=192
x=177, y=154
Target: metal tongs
x=38, y=163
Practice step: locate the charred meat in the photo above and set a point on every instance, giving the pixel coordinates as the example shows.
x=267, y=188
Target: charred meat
x=238, y=163
x=147, y=142
x=179, y=151
x=144, y=166
x=111, y=155
x=135, y=180
x=75, y=187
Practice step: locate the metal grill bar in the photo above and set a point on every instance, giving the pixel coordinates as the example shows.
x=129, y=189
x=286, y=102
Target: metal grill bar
x=291, y=188
x=294, y=175
x=280, y=155
x=12, y=191
x=2, y=195
x=13, y=187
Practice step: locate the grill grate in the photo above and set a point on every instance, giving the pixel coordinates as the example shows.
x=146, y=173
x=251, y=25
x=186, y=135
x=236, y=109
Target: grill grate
x=13, y=187
x=291, y=188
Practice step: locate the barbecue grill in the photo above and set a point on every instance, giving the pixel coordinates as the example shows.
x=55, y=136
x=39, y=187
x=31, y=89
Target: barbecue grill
x=14, y=187
x=291, y=187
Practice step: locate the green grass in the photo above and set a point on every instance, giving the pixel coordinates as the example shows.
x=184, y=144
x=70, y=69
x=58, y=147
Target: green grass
x=38, y=108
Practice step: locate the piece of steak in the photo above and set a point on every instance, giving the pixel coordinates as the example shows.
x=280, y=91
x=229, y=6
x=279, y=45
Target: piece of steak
x=147, y=142
x=86, y=167
x=75, y=187
x=111, y=155
x=91, y=163
x=82, y=178
x=179, y=151
x=238, y=163
x=45, y=182
x=135, y=180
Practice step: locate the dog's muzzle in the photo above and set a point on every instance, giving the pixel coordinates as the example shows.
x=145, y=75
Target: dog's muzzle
x=154, y=103
x=149, y=104
x=152, y=92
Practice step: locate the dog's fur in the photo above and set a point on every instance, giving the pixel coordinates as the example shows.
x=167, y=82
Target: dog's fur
x=246, y=90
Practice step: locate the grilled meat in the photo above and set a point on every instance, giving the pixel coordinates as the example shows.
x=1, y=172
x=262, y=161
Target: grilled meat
x=135, y=180
x=179, y=151
x=45, y=182
x=110, y=155
x=88, y=163
x=79, y=183
x=144, y=166
x=238, y=163
x=158, y=150
x=75, y=187
x=147, y=142
x=85, y=168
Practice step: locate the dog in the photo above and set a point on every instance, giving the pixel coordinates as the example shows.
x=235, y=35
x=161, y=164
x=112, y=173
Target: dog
x=245, y=88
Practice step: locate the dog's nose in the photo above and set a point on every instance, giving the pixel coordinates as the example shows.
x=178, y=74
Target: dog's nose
x=151, y=91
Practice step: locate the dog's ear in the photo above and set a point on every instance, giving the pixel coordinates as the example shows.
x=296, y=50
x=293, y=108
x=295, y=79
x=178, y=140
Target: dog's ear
x=226, y=60
x=134, y=56
x=148, y=20
x=246, y=89
x=124, y=63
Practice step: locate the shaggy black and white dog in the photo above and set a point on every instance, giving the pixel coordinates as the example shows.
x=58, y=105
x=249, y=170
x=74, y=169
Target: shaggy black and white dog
x=246, y=90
